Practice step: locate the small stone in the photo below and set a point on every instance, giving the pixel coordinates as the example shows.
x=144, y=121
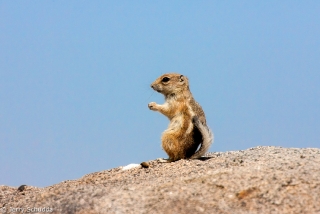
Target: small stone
x=145, y=164
x=131, y=166
x=22, y=188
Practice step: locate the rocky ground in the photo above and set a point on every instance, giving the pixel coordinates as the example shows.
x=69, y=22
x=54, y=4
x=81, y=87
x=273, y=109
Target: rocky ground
x=257, y=180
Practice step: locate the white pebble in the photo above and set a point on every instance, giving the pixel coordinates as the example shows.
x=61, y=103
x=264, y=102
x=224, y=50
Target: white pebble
x=131, y=166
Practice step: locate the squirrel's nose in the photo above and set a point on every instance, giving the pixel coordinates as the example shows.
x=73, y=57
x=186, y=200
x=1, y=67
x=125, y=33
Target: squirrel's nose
x=152, y=86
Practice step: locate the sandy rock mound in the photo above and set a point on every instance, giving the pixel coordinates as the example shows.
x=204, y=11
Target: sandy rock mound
x=257, y=180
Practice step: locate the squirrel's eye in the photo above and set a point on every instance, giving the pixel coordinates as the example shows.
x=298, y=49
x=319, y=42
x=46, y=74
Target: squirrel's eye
x=165, y=79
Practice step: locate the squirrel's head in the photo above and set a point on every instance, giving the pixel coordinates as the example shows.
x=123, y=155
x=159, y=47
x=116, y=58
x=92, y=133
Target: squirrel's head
x=171, y=83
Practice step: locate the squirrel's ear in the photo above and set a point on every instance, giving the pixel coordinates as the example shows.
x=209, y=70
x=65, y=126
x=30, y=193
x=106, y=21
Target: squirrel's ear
x=181, y=78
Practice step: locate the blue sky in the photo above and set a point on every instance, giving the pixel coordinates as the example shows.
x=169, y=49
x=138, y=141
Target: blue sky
x=75, y=79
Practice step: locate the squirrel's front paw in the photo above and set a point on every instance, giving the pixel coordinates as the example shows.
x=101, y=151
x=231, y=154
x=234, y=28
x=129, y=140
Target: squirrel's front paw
x=152, y=106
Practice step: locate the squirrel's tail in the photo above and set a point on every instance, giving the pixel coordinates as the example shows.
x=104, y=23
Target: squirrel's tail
x=207, y=137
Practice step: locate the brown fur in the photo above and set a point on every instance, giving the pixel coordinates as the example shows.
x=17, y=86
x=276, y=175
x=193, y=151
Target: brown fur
x=187, y=129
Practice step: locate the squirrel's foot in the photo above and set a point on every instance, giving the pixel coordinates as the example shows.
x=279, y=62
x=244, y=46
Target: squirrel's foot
x=163, y=160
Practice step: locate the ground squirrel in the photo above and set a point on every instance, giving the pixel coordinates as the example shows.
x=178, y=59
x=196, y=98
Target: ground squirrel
x=187, y=128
